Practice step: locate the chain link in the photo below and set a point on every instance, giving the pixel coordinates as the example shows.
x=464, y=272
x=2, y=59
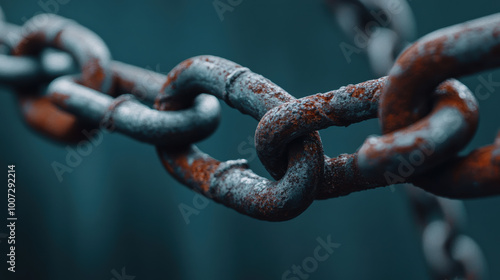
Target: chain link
x=426, y=117
x=449, y=253
x=71, y=104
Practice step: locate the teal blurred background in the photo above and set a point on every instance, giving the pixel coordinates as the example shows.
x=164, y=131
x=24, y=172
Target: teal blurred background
x=120, y=209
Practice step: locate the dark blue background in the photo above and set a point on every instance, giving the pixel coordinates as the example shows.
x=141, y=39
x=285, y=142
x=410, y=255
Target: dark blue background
x=119, y=208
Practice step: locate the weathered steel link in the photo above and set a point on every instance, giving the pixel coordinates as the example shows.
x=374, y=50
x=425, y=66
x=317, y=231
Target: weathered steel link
x=451, y=52
x=232, y=183
x=455, y=112
x=89, y=51
x=81, y=95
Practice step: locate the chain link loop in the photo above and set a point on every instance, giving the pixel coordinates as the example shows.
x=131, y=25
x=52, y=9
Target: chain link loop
x=89, y=51
x=232, y=183
x=70, y=105
x=448, y=254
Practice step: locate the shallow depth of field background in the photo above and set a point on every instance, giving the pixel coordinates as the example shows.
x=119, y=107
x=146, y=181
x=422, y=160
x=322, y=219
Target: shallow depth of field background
x=120, y=209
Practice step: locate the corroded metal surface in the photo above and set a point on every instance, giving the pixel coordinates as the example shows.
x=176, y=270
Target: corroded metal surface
x=232, y=183
x=90, y=52
x=451, y=52
x=427, y=118
x=452, y=121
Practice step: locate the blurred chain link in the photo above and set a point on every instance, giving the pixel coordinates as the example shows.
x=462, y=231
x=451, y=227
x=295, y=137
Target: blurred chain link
x=380, y=28
x=449, y=253
x=66, y=83
x=62, y=108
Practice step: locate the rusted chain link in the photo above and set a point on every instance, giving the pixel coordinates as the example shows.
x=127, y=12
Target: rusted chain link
x=451, y=52
x=357, y=103
x=80, y=97
x=88, y=50
x=423, y=142
x=184, y=116
x=231, y=182
x=448, y=254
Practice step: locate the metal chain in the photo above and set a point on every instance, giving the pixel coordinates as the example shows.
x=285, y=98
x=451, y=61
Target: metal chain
x=382, y=29
x=425, y=126
x=449, y=254
x=46, y=108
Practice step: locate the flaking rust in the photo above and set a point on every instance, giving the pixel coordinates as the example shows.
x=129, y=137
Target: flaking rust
x=285, y=122
x=451, y=52
x=232, y=183
x=355, y=103
x=454, y=119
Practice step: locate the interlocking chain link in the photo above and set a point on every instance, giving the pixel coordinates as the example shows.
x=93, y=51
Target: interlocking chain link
x=73, y=103
x=449, y=253
x=427, y=118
